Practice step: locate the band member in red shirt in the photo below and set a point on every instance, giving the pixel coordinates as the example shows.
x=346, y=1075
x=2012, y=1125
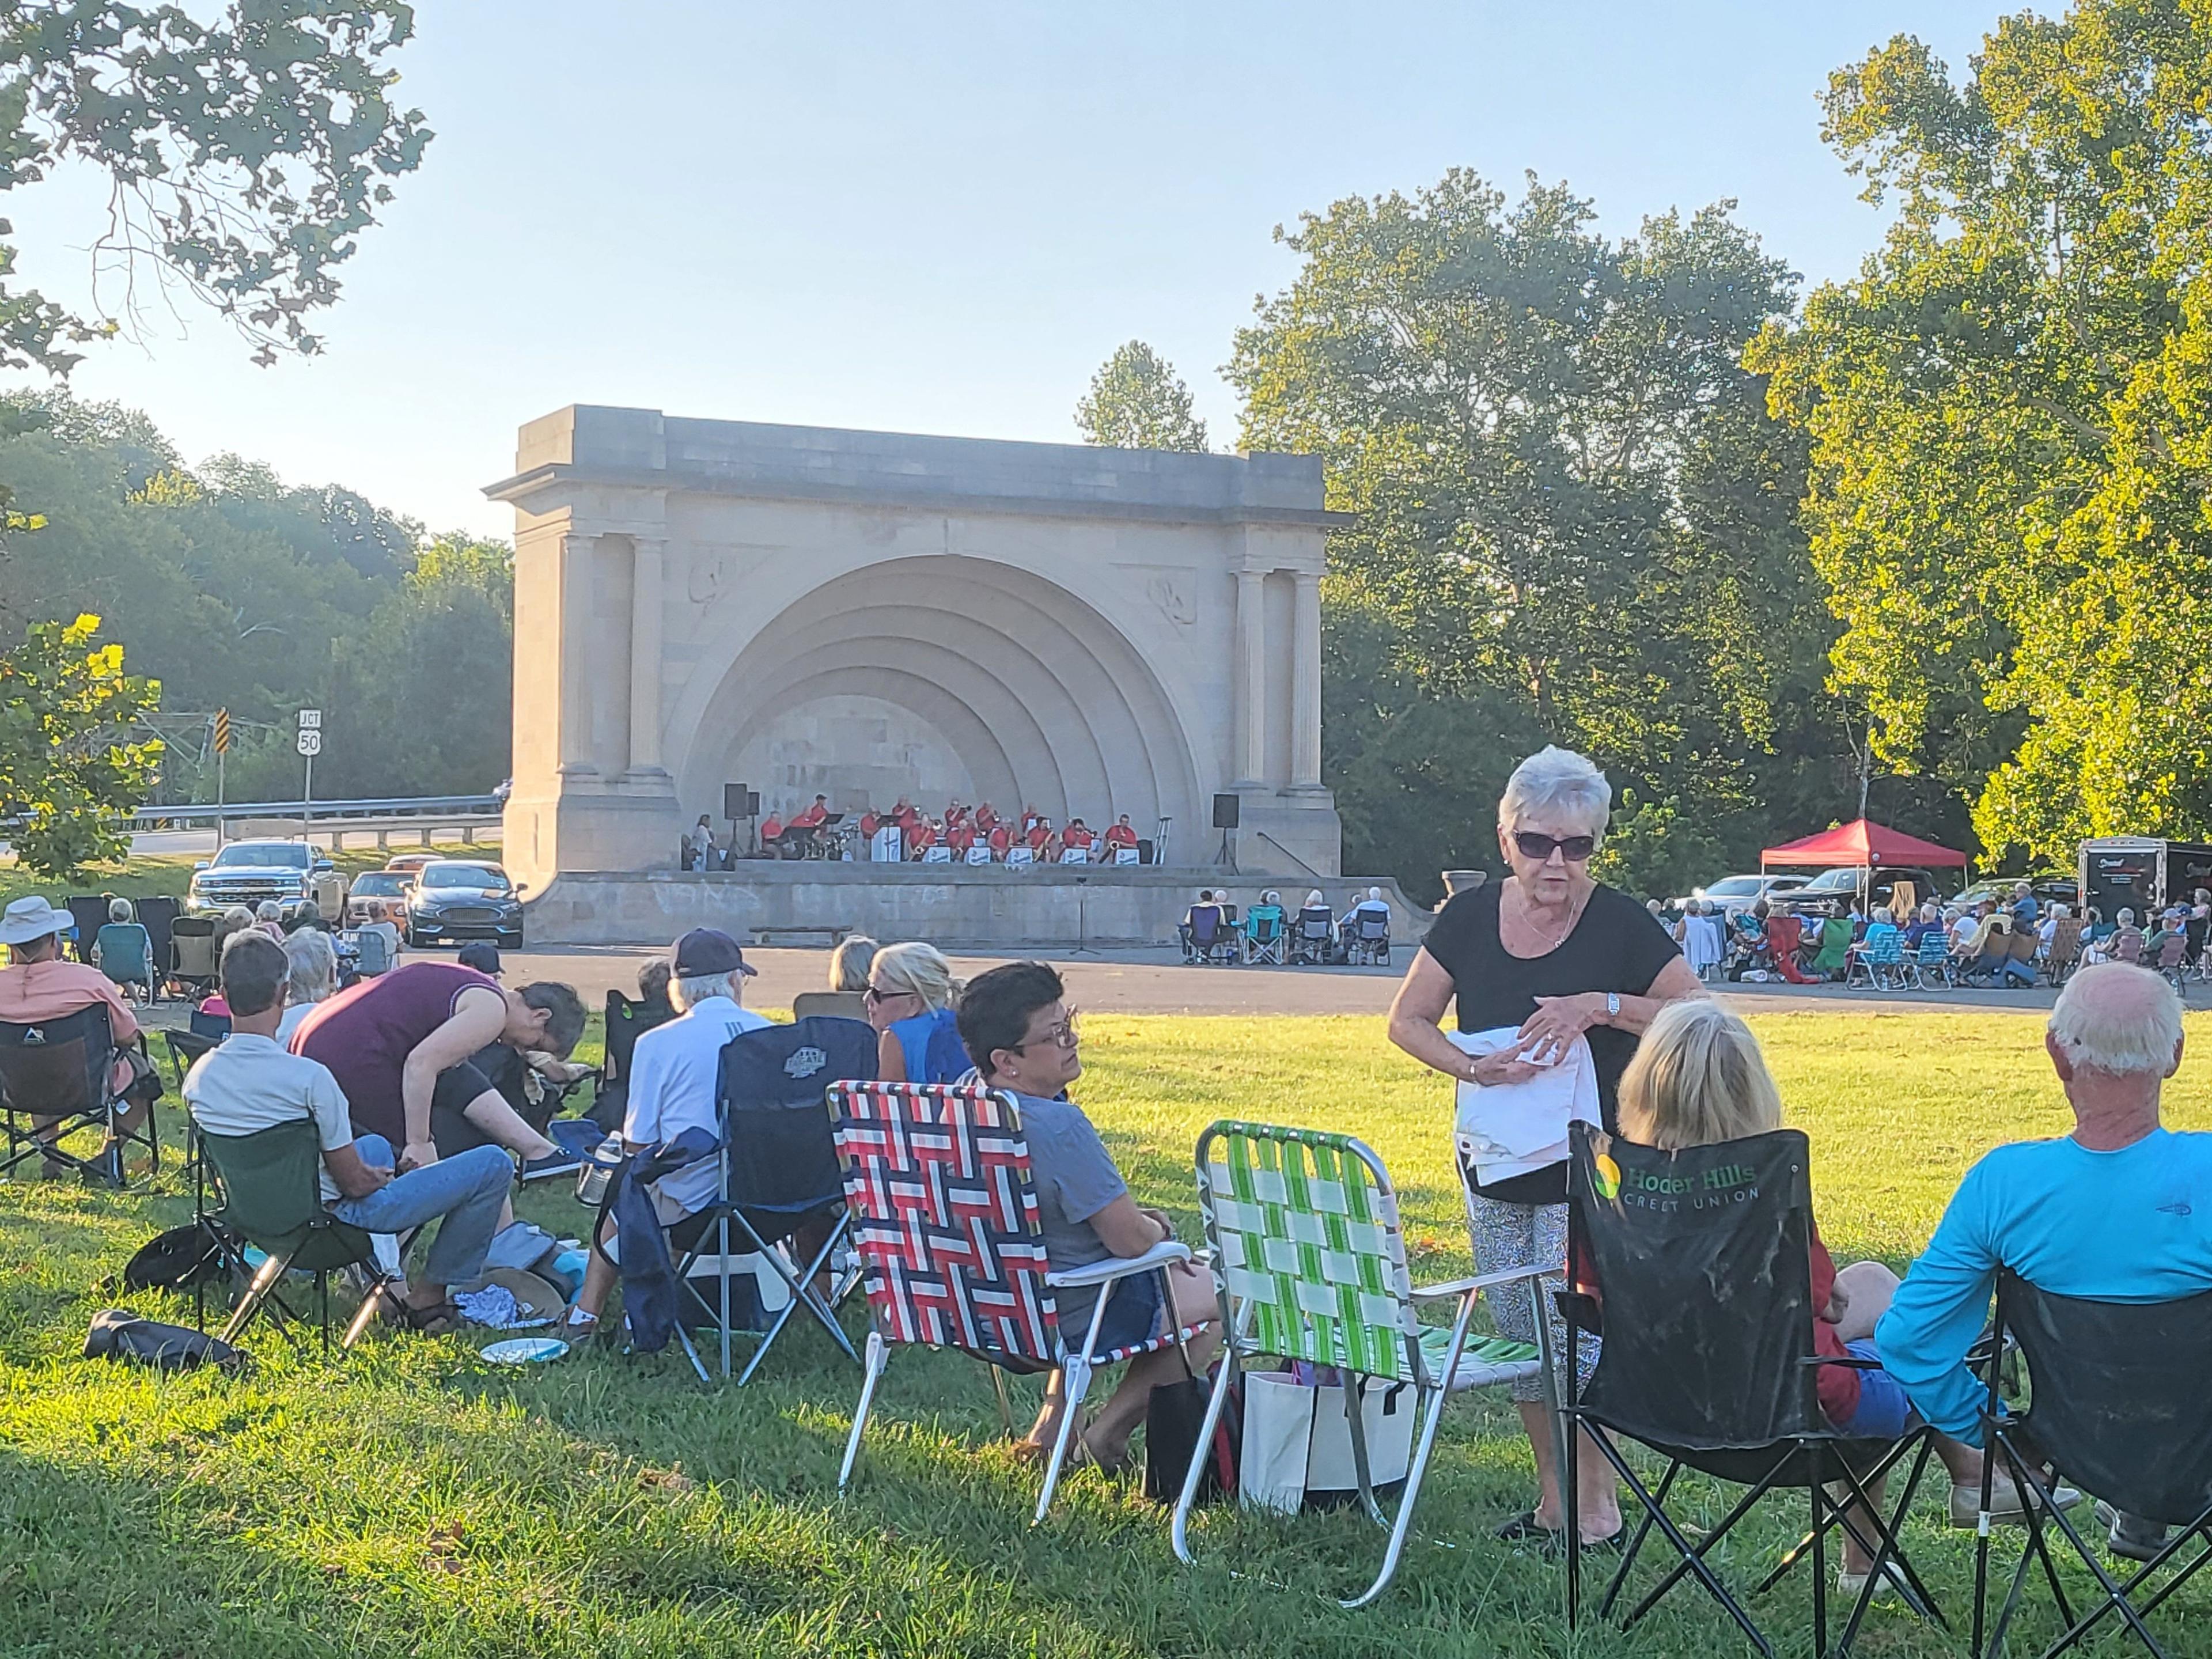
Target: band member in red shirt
x=955, y=816
x=924, y=837
x=1000, y=838
x=1078, y=835
x=986, y=818
x=771, y=829
x=869, y=824
x=959, y=837
x=810, y=817
x=1039, y=835
x=1120, y=835
x=1030, y=819
x=905, y=816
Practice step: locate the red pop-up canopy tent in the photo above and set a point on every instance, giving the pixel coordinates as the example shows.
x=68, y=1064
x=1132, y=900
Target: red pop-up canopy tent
x=1863, y=843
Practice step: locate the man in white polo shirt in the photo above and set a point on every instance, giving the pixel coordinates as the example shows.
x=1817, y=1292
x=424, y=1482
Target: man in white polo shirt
x=675, y=1076
x=248, y=1082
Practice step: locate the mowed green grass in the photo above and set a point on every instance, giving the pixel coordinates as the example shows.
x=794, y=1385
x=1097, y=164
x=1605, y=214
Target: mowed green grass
x=410, y=1500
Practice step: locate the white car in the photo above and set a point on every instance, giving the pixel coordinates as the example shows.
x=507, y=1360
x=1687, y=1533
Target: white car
x=1734, y=893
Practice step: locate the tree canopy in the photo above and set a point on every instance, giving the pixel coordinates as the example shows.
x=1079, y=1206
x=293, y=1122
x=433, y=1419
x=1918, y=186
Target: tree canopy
x=1577, y=518
x=1137, y=401
x=247, y=154
x=2011, y=483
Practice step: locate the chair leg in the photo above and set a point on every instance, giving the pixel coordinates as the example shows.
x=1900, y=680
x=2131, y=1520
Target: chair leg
x=1075, y=1385
x=872, y=1368
x=1005, y=1404
x=272, y=1270
x=1187, y=1499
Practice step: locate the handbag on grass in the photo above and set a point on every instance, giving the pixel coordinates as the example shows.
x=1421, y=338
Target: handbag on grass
x=1173, y=1412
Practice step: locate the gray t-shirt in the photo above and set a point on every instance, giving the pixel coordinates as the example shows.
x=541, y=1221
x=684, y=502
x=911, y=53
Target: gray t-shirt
x=1075, y=1179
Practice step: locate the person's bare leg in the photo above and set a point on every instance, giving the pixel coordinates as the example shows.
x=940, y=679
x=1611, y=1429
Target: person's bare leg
x=490, y=1113
x=1597, y=1493
x=600, y=1276
x=1045, y=1429
x=1117, y=1419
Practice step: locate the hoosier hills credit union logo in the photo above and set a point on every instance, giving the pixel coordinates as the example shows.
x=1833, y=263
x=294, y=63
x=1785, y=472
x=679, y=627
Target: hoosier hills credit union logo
x=1605, y=1174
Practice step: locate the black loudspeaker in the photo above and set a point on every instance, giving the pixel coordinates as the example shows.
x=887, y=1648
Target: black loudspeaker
x=1146, y=852
x=735, y=801
x=1224, y=811
x=752, y=803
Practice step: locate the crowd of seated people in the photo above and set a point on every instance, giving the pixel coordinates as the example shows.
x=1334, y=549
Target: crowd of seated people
x=1213, y=931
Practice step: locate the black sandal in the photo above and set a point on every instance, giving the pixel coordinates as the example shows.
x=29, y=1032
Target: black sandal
x=1553, y=1540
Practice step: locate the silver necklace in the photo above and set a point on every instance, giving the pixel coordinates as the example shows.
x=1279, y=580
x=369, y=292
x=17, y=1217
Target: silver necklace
x=1574, y=915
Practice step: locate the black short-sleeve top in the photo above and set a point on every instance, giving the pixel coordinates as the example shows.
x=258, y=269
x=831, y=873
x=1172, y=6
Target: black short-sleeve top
x=1616, y=945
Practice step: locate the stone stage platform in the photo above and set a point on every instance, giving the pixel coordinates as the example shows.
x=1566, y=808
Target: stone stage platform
x=967, y=906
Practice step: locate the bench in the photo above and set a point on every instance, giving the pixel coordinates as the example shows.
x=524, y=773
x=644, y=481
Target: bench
x=832, y=934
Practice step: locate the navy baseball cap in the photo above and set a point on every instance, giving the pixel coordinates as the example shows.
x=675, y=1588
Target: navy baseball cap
x=482, y=955
x=705, y=951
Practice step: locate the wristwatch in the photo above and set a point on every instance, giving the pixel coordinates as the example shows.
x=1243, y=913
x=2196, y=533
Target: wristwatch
x=1613, y=1004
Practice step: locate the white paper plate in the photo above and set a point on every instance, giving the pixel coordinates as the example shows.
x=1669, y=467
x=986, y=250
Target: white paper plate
x=525, y=1351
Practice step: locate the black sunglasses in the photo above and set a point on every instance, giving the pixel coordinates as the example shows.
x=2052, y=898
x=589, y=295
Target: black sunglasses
x=1574, y=848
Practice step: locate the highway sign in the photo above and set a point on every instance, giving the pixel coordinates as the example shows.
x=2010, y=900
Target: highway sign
x=223, y=730
x=311, y=720
x=311, y=741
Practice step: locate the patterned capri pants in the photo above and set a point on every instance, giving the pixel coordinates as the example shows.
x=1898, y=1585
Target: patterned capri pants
x=1515, y=1236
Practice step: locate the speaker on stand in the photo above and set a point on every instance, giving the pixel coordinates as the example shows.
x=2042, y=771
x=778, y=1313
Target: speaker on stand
x=739, y=802
x=1225, y=811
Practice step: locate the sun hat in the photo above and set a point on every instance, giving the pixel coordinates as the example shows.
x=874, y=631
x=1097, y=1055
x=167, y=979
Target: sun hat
x=26, y=919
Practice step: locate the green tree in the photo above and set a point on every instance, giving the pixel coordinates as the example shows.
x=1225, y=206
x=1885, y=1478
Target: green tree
x=1576, y=514
x=73, y=749
x=2011, y=412
x=1654, y=850
x=248, y=155
x=1137, y=401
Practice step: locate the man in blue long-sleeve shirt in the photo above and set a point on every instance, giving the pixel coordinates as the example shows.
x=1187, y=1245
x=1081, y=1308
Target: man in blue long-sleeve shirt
x=2119, y=1211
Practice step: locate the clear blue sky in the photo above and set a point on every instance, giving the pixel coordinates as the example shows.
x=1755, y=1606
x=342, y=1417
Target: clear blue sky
x=942, y=217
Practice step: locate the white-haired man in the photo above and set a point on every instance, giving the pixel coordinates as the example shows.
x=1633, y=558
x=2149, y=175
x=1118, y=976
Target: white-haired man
x=675, y=1071
x=2114, y=1212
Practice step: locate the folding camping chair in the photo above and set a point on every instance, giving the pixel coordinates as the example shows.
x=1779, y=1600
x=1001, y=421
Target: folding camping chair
x=59, y=1075
x=1878, y=964
x=1701, y=1260
x=1313, y=939
x=779, y=1169
x=89, y=912
x=2116, y=1407
x=126, y=949
x=946, y=1222
x=158, y=916
x=192, y=960
x=270, y=1191
x=1931, y=965
x=626, y=1022
x=1309, y=1264
x=1212, y=935
x=1265, y=938
x=1370, y=939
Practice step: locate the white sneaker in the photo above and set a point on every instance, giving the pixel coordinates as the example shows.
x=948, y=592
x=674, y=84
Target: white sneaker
x=1892, y=1587
x=2006, y=1508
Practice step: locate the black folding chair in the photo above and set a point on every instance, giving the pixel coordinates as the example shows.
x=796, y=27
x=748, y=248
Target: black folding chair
x=1701, y=1260
x=57, y=1076
x=191, y=959
x=779, y=1169
x=158, y=916
x=2117, y=1408
x=626, y=1021
x=89, y=912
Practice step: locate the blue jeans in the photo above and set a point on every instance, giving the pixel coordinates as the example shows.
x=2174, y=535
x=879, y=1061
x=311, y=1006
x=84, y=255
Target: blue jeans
x=467, y=1190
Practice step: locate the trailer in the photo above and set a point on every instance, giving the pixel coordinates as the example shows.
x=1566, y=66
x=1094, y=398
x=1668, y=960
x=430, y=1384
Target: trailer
x=2142, y=873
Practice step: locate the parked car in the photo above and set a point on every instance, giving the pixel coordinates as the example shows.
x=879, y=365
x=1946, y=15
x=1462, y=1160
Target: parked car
x=248, y=871
x=1734, y=893
x=390, y=887
x=411, y=862
x=1832, y=892
x=456, y=899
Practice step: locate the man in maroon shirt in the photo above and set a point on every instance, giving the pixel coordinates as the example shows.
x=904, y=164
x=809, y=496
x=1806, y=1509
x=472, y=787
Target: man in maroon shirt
x=392, y=1041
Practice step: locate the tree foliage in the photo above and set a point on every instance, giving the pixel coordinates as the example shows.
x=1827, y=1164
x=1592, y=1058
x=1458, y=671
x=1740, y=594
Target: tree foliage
x=237, y=590
x=247, y=154
x=73, y=752
x=1577, y=518
x=1137, y=401
x=2011, y=412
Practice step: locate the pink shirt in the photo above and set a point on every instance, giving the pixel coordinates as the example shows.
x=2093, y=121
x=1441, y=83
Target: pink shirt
x=47, y=990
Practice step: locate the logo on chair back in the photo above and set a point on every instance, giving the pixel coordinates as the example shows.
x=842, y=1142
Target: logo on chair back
x=804, y=1062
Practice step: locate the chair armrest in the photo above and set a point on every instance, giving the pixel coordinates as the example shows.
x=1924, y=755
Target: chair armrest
x=1165, y=1253
x=1458, y=1287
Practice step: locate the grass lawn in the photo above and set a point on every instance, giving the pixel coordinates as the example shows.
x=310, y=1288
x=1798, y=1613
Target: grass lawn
x=410, y=1499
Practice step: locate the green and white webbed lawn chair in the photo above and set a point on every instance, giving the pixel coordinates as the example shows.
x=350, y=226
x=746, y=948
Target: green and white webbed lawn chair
x=1309, y=1263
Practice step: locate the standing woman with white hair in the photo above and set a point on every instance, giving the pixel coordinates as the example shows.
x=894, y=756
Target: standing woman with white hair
x=1557, y=968
x=911, y=993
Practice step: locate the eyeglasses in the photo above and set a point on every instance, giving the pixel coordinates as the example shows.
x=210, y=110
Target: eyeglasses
x=1066, y=1035
x=877, y=993
x=1575, y=850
